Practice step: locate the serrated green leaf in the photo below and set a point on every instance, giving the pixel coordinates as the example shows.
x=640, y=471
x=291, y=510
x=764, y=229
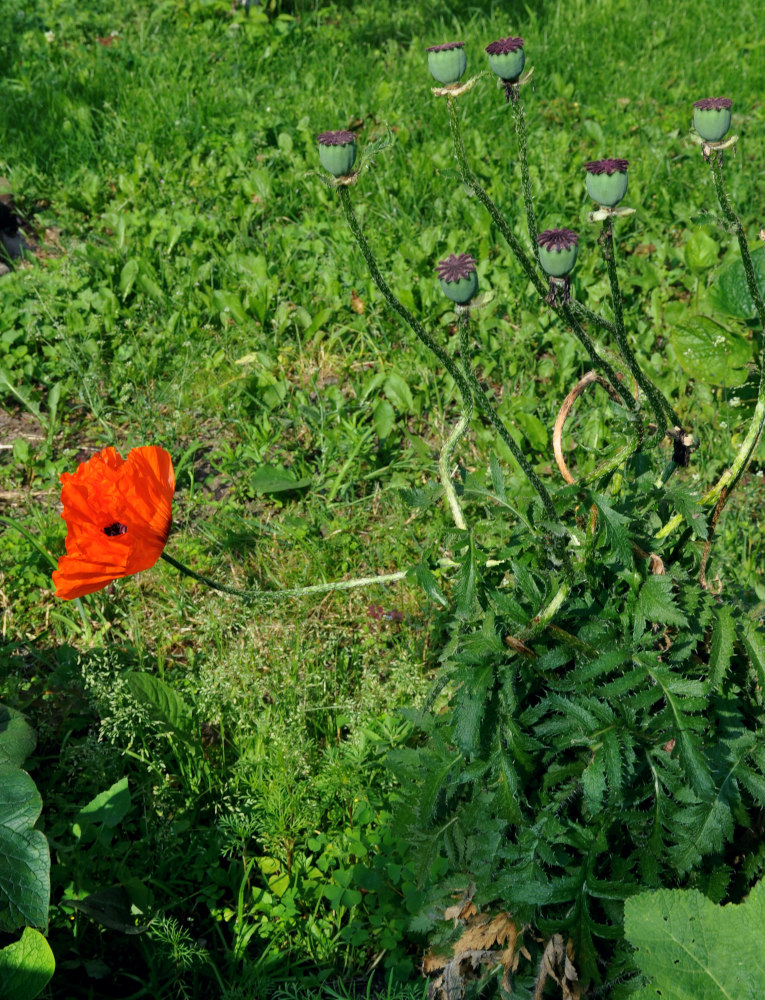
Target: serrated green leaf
x=26, y=967
x=497, y=477
x=594, y=782
x=693, y=949
x=472, y=706
x=721, y=651
x=656, y=602
x=754, y=643
x=421, y=574
x=616, y=529
x=700, y=251
x=24, y=854
x=467, y=580
x=164, y=704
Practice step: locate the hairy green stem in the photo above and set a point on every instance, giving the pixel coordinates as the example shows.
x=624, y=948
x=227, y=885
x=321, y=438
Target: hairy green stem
x=498, y=424
x=451, y=367
x=520, y=130
x=260, y=595
x=661, y=408
x=465, y=381
x=593, y=317
x=730, y=478
x=523, y=259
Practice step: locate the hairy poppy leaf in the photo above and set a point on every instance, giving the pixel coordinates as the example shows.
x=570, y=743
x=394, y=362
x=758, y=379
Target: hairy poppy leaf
x=730, y=293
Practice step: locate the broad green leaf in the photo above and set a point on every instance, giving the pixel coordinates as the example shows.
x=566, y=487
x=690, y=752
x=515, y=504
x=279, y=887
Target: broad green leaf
x=398, y=392
x=534, y=429
x=24, y=855
x=17, y=738
x=729, y=291
x=701, y=251
x=165, y=704
x=128, y=277
x=108, y=808
x=26, y=967
x=110, y=907
x=271, y=479
x=383, y=418
x=709, y=353
x=693, y=949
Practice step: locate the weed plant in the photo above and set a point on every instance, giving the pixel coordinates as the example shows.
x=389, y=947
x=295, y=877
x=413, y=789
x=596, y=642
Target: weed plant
x=194, y=287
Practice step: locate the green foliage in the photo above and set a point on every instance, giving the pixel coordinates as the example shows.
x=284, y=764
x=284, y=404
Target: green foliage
x=691, y=949
x=26, y=965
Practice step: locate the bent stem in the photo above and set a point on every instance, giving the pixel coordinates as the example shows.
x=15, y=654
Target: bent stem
x=259, y=595
x=530, y=271
x=661, y=408
x=424, y=336
x=497, y=423
x=728, y=481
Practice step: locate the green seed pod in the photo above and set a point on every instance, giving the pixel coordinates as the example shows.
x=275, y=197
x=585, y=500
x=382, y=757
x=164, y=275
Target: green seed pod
x=711, y=117
x=507, y=58
x=557, y=251
x=606, y=181
x=447, y=62
x=459, y=280
x=337, y=152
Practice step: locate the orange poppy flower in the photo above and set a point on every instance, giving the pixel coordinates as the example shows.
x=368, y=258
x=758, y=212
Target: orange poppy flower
x=118, y=515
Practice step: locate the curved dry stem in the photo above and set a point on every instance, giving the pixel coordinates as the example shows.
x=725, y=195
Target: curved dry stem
x=565, y=410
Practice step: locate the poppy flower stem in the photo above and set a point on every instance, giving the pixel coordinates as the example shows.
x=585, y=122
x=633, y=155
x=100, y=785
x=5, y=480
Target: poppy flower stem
x=718, y=495
x=661, y=408
x=519, y=115
x=565, y=311
x=260, y=595
x=451, y=367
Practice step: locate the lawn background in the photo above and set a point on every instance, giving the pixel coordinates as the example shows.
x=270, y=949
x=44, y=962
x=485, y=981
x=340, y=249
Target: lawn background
x=194, y=286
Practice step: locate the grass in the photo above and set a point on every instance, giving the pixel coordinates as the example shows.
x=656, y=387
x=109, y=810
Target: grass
x=194, y=286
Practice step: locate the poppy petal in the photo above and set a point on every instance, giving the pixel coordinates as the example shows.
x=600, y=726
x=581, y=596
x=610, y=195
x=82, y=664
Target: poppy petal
x=118, y=514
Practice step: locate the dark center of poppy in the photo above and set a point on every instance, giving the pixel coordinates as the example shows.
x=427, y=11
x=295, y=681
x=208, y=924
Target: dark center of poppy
x=112, y=530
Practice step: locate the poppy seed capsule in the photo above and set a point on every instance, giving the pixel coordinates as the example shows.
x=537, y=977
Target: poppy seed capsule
x=711, y=117
x=606, y=181
x=507, y=58
x=447, y=62
x=557, y=251
x=337, y=152
x=459, y=280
